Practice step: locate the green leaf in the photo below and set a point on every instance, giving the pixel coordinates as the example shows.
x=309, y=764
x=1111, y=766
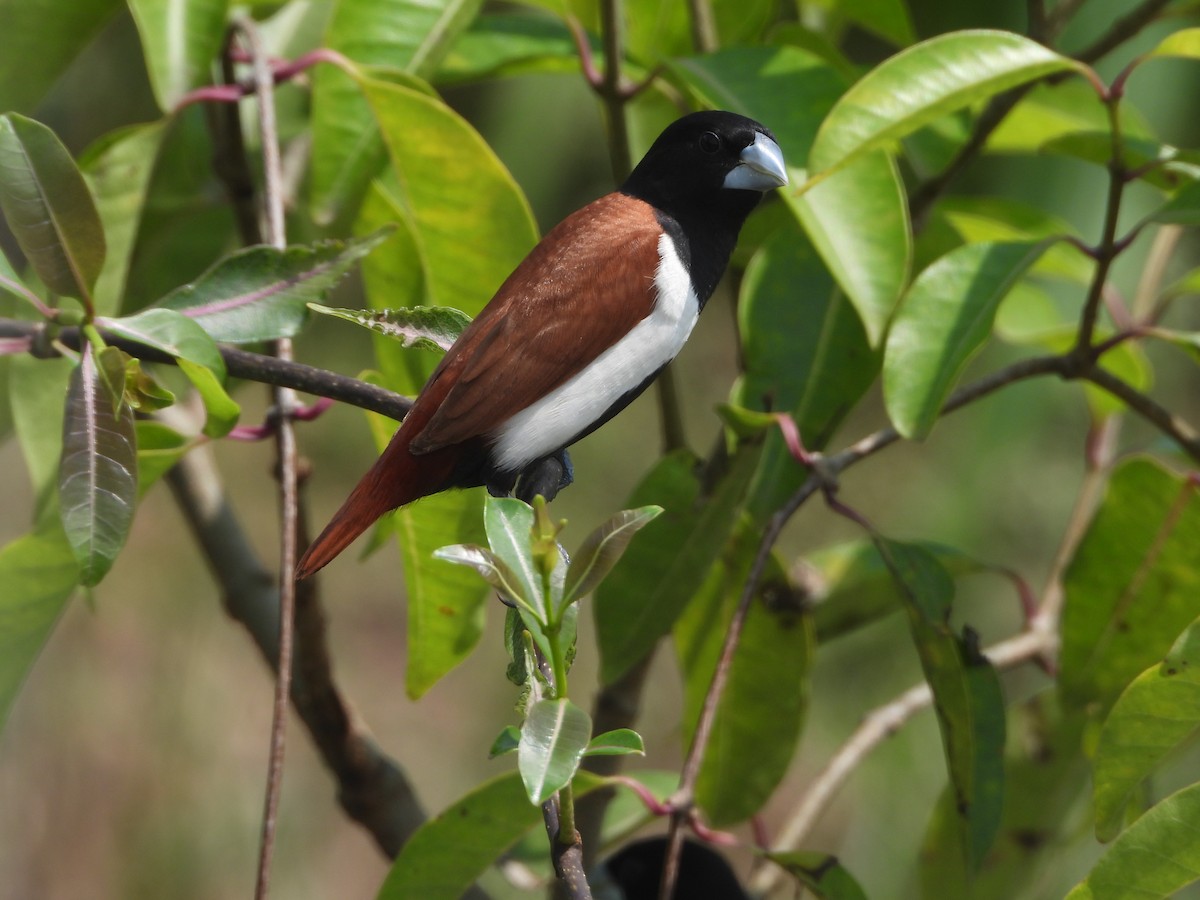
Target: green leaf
x=945, y=317
x=49, y=207
x=1184, y=44
x=924, y=83
x=1046, y=774
x=1050, y=111
x=553, y=738
x=41, y=40
x=508, y=44
x=37, y=391
x=980, y=220
x=761, y=712
x=118, y=169
x=171, y=332
x=966, y=695
x=618, y=742
x=640, y=600
x=603, y=549
x=451, y=850
x=446, y=606
x=261, y=293
x=1131, y=587
x=38, y=572
x=859, y=222
x=456, y=194
x=804, y=351
x=820, y=873
x=1155, y=857
x=180, y=40
x=1182, y=209
x=97, y=483
x=159, y=448
x=1158, y=164
x=408, y=35
x=506, y=741
x=849, y=586
x=1154, y=715
x=425, y=327
x=221, y=409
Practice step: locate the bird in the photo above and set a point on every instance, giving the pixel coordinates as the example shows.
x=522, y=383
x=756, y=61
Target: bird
x=578, y=330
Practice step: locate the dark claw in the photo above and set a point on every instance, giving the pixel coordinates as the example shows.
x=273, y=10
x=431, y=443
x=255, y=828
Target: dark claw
x=547, y=476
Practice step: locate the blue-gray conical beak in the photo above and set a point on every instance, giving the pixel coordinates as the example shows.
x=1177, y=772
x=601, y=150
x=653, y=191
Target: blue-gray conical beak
x=760, y=168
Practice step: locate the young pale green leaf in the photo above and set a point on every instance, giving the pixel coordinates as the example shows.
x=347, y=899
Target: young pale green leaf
x=142, y=392
x=858, y=223
x=553, y=739
x=945, y=317
x=41, y=40
x=804, y=351
x=456, y=194
x=1157, y=856
x=1184, y=44
x=38, y=572
x=506, y=741
x=509, y=525
x=97, y=479
x=118, y=169
x=1182, y=209
x=408, y=35
x=452, y=849
x=762, y=710
x=618, y=742
x=924, y=83
x=1131, y=587
x=820, y=873
x=648, y=589
x=1153, y=716
x=49, y=207
x=966, y=694
x=603, y=549
x=159, y=448
x=180, y=40
x=222, y=410
x=426, y=327
x=171, y=332
x=261, y=293
x=491, y=568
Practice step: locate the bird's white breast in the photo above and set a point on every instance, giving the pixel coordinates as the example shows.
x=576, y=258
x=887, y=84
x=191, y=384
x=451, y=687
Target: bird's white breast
x=545, y=426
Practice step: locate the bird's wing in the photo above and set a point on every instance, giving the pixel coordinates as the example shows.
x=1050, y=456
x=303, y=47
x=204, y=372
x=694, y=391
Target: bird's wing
x=588, y=282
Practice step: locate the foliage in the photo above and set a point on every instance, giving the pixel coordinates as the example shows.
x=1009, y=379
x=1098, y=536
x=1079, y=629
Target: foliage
x=894, y=260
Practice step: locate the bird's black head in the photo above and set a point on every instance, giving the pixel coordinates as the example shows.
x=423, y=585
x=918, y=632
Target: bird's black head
x=707, y=162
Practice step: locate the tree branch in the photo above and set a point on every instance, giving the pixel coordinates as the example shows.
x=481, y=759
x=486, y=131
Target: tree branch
x=372, y=788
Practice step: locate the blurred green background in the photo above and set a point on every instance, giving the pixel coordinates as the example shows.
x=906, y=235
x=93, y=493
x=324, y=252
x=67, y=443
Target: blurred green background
x=133, y=762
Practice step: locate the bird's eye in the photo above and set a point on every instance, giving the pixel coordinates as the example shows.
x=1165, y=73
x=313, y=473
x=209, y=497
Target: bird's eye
x=709, y=142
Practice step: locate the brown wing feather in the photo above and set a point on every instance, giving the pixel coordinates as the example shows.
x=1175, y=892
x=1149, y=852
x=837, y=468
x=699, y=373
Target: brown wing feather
x=585, y=285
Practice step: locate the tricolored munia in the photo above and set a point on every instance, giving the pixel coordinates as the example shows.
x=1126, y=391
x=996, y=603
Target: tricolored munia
x=580, y=328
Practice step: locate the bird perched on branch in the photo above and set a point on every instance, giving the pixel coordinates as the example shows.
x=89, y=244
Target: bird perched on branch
x=580, y=328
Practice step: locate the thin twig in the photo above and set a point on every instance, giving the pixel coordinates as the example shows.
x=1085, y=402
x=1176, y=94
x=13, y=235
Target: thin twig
x=1122, y=30
x=239, y=363
x=285, y=437
x=372, y=788
x=878, y=725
